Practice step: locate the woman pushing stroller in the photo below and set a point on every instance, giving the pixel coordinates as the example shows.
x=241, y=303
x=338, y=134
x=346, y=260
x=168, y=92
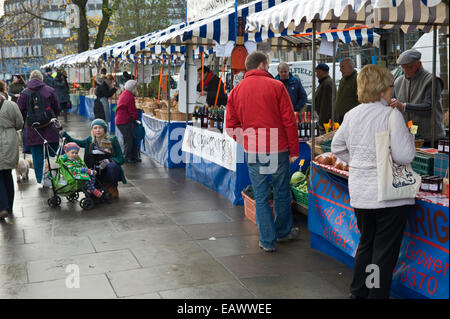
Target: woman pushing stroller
x=102, y=151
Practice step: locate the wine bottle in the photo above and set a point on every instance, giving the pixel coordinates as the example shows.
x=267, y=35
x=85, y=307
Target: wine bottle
x=302, y=127
x=308, y=126
x=316, y=128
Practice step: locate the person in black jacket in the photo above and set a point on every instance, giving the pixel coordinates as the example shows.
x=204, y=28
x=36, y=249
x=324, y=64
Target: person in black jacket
x=104, y=90
x=210, y=86
x=62, y=91
x=48, y=79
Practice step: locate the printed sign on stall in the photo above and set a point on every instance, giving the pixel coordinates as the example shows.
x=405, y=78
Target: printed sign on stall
x=213, y=146
x=422, y=268
x=330, y=214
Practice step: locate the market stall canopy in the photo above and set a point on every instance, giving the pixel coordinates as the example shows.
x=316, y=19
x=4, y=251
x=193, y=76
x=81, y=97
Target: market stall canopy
x=220, y=29
x=297, y=15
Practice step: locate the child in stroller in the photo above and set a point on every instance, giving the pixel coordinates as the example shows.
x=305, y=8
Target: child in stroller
x=74, y=176
x=78, y=169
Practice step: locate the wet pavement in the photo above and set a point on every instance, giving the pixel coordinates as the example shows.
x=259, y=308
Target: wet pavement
x=166, y=237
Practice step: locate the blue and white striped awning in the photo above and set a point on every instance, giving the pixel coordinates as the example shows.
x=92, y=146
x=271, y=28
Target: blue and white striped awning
x=341, y=14
x=221, y=29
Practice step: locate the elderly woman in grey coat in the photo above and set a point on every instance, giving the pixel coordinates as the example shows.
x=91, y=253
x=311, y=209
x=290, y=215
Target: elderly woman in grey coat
x=10, y=122
x=381, y=223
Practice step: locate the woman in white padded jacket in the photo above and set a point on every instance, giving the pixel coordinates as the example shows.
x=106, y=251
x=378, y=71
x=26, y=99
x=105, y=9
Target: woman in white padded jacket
x=381, y=224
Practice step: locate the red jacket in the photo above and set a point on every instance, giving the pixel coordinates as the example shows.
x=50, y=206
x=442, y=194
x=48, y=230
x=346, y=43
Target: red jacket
x=126, y=108
x=261, y=106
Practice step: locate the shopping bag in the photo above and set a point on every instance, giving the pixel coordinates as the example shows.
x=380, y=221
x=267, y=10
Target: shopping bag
x=138, y=131
x=394, y=181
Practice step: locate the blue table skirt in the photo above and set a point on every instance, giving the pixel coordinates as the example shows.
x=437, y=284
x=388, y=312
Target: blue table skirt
x=228, y=183
x=86, y=109
x=163, y=141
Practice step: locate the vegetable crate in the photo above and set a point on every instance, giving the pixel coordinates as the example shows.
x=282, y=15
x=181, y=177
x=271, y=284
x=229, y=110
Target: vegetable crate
x=300, y=197
x=440, y=164
x=423, y=164
x=326, y=146
x=249, y=207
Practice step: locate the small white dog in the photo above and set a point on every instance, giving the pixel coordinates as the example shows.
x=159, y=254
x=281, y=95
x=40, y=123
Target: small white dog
x=22, y=169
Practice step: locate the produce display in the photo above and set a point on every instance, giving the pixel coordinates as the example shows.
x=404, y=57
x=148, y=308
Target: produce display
x=331, y=160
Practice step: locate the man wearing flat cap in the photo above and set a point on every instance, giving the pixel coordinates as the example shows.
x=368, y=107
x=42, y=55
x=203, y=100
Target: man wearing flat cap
x=412, y=92
x=324, y=94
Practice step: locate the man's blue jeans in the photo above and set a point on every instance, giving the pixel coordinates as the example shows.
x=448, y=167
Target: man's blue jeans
x=270, y=230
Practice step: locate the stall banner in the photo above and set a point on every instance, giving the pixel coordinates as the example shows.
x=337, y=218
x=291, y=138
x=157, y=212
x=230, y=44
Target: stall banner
x=198, y=9
x=422, y=269
x=213, y=146
x=330, y=215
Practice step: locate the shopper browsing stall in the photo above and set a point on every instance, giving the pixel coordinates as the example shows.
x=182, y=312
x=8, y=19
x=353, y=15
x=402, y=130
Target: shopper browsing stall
x=381, y=223
x=104, y=90
x=126, y=116
x=261, y=117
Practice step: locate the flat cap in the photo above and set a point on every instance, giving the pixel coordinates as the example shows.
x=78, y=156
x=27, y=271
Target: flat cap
x=322, y=66
x=409, y=56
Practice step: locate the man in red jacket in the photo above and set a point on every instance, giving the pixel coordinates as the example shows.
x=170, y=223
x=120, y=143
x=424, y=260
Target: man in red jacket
x=126, y=115
x=261, y=117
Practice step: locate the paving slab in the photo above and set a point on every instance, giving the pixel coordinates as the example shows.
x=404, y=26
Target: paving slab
x=12, y=275
x=91, y=287
x=304, y=285
x=217, y=230
x=199, y=217
x=225, y=290
x=89, y=264
x=166, y=277
x=140, y=223
x=62, y=247
x=231, y=246
x=155, y=254
x=121, y=240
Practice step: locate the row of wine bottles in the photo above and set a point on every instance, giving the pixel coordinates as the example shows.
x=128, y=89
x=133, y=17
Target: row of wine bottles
x=304, y=126
x=209, y=117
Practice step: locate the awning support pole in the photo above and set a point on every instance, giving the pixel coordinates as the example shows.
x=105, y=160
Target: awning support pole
x=433, y=87
x=333, y=96
x=313, y=105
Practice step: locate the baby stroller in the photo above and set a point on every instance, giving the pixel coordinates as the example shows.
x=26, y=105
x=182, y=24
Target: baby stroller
x=64, y=184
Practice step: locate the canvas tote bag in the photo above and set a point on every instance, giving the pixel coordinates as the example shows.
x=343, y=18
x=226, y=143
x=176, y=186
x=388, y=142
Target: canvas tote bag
x=394, y=181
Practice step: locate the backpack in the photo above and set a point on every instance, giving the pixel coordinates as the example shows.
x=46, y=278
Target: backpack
x=38, y=114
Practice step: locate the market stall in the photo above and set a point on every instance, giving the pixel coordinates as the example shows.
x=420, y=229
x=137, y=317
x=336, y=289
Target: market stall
x=422, y=268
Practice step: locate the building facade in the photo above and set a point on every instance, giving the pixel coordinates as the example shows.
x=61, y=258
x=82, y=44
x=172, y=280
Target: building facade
x=26, y=46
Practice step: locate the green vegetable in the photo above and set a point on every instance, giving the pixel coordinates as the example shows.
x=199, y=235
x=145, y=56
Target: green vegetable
x=297, y=177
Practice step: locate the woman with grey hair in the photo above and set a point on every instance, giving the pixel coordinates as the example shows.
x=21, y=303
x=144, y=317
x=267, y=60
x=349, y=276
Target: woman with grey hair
x=36, y=86
x=126, y=116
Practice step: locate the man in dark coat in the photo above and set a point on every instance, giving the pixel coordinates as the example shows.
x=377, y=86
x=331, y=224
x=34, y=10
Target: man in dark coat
x=50, y=133
x=48, y=79
x=324, y=94
x=62, y=91
x=293, y=85
x=210, y=86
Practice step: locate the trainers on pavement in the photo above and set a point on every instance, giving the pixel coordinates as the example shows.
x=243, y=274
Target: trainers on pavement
x=295, y=231
x=267, y=250
x=3, y=214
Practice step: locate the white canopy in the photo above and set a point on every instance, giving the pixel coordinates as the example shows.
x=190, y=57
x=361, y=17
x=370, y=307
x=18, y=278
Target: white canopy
x=297, y=15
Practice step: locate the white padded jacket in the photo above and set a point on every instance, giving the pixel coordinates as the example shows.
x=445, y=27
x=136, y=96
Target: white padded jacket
x=354, y=143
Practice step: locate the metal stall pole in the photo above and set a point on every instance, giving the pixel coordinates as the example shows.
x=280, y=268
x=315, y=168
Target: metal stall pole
x=433, y=87
x=313, y=104
x=168, y=89
x=333, y=95
x=186, y=76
